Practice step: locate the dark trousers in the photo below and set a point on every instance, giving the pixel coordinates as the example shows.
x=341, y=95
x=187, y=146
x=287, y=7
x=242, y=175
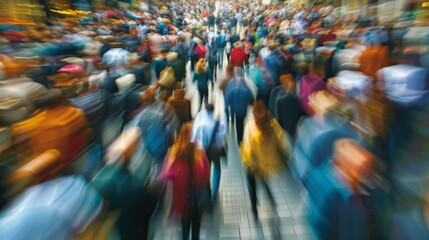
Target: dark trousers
x=251, y=181
x=239, y=128
x=193, y=219
x=204, y=93
x=227, y=57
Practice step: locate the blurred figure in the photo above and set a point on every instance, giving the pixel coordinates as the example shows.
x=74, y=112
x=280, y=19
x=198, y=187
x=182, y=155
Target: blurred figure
x=210, y=133
x=212, y=60
x=220, y=45
x=263, y=151
x=145, y=51
x=229, y=75
x=309, y=129
x=275, y=61
x=160, y=62
x=238, y=98
x=159, y=126
x=340, y=194
x=202, y=76
x=411, y=223
x=285, y=105
x=201, y=50
x=312, y=82
x=187, y=169
x=248, y=46
x=374, y=57
x=178, y=65
x=408, y=166
x=238, y=56
x=262, y=79
x=181, y=105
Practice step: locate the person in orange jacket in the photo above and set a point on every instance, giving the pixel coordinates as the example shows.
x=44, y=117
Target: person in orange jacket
x=374, y=57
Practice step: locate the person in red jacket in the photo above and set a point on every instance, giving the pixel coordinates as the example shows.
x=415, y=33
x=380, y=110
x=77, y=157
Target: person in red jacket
x=238, y=55
x=201, y=50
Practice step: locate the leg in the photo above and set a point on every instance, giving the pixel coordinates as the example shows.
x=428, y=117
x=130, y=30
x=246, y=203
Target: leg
x=201, y=92
x=239, y=127
x=186, y=226
x=270, y=195
x=251, y=181
x=196, y=224
x=215, y=178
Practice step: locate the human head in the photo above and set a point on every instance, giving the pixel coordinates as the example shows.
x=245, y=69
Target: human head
x=288, y=82
x=261, y=115
x=353, y=160
x=201, y=66
x=322, y=101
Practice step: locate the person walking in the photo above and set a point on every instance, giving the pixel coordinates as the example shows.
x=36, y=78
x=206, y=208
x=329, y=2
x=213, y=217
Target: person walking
x=212, y=60
x=187, y=169
x=220, y=45
x=263, y=151
x=238, y=98
x=210, y=133
x=202, y=76
x=238, y=55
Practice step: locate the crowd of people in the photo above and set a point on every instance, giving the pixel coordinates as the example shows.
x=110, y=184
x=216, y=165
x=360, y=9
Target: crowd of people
x=339, y=103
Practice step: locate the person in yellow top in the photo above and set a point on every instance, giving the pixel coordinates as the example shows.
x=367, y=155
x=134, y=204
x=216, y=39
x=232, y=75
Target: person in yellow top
x=263, y=150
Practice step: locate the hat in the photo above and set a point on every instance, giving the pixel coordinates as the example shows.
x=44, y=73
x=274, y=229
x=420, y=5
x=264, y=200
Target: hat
x=74, y=60
x=405, y=84
x=72, y=69
x=201, y=66
x=172, y=56
x=125, y=82
x=167, y=79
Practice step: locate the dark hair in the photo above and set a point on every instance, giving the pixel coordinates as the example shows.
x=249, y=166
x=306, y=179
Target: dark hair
x=209, y=107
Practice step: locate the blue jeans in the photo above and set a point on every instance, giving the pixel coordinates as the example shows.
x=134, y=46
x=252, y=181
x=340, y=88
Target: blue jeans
x=220, y=52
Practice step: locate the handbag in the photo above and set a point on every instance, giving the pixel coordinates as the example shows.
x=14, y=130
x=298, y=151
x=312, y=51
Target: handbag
x=214, y=150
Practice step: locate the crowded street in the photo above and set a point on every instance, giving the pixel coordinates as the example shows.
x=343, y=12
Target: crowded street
x=219, y=119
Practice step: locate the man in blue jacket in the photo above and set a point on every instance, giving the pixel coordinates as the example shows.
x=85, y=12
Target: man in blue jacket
x=237, y=99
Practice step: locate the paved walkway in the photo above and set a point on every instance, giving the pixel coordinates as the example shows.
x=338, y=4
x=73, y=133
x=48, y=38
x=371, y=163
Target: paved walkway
x=232, y=218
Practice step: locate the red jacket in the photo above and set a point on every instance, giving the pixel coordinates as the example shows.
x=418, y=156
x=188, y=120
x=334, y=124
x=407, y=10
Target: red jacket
x=238, y=57
x=201, y=52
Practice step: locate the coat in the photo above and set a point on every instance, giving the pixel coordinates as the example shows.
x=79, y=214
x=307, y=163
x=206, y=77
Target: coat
x=177, y=172
x=263, y=153
x=289, y=111
x=238, y=98
x=181, y=105
x=202, y=79
x=179, y=69
x=337, y=212
x=308, y=85
x=238, y=57
x=374, y=58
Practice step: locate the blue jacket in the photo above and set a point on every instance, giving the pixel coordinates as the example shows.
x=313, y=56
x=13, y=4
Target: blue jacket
x=337, y=213
x=202, y=79
x=238, y=97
